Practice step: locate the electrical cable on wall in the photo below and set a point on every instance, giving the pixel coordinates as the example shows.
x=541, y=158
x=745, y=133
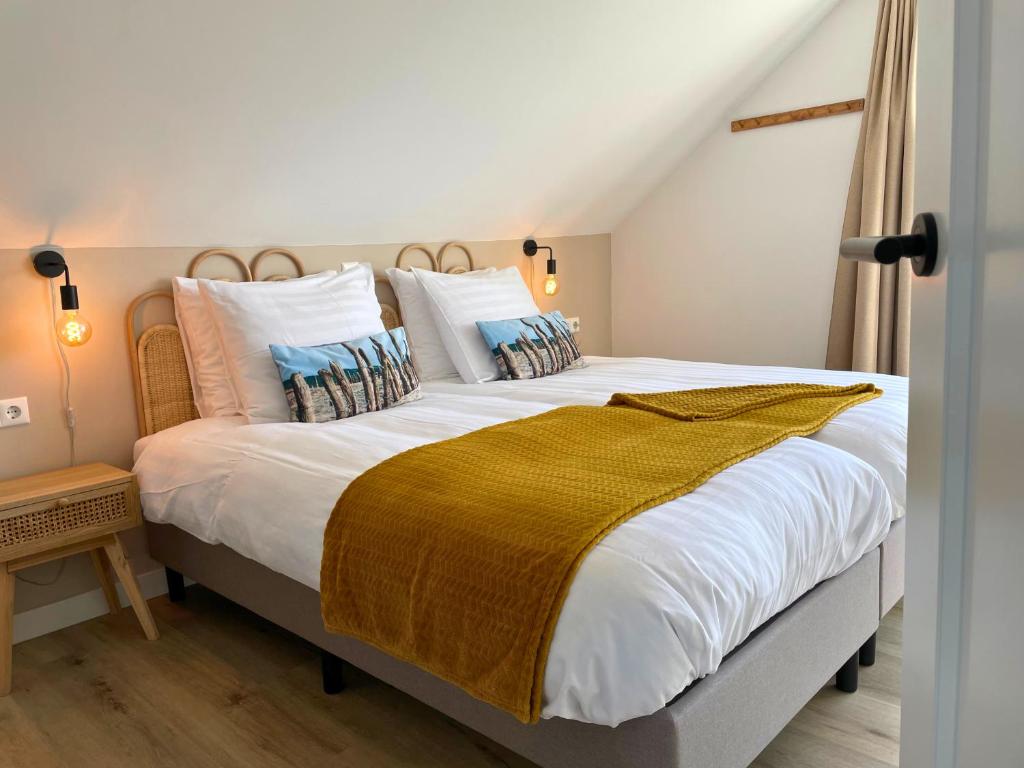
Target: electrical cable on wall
x=54, y=580
x=69, y=412
x=69, y=416
x=70, y=329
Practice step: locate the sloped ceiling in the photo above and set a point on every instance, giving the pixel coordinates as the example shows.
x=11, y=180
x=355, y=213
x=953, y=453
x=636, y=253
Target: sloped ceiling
x=196, y=122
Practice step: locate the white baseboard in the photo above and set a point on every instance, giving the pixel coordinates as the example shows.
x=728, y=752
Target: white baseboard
x=74, y=610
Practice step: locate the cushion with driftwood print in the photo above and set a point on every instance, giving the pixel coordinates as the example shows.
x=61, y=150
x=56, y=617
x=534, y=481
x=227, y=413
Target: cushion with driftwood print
x=334, y=381
x=529, y=347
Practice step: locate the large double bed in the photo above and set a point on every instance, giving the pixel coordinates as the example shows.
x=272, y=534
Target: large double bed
x=691, y=634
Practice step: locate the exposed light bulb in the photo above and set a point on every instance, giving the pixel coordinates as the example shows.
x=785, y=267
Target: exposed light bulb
x=551, y=285
x=73, y=330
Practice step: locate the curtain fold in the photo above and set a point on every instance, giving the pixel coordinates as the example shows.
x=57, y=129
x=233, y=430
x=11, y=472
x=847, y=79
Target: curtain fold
x=870, y=325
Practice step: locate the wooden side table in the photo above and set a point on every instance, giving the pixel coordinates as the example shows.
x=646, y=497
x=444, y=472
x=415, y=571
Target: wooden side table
x=56, y=514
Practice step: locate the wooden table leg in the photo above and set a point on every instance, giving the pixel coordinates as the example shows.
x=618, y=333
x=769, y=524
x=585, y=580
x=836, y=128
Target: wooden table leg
x=101, y=565
x=115, y=552
x=6, y=629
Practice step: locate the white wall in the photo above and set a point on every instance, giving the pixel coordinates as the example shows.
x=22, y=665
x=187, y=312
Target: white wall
x=733, y=257
x=147, y=123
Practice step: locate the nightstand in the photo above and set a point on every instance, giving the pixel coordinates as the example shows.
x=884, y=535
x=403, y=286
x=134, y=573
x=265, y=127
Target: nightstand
x=56, y=514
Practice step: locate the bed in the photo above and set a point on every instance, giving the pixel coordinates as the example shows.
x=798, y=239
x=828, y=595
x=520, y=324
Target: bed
x=741, y=599
x=885, y=421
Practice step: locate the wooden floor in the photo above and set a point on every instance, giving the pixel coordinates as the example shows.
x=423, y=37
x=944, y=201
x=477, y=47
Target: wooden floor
x=224, y=688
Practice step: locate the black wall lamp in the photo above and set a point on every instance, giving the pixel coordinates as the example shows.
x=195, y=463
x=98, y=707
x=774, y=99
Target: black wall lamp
x=73, y=330
x=530, y=248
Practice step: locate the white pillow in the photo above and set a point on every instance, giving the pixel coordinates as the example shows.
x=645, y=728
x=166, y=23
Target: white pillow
x=319, y=309
x=428, y=353
x=211, y=383
x=456, y=304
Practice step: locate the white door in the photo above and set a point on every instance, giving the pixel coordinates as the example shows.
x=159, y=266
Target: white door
x=963, y=676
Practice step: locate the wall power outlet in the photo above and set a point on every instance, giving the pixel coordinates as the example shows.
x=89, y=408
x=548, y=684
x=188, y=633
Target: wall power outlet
x=14, y=412
x=574, y=324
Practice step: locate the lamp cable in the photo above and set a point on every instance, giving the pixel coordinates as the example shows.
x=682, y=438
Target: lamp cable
x=56, y=576
x=69, y=415
x=69, y=412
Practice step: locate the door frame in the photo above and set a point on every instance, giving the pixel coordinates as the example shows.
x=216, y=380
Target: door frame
x=954, y=49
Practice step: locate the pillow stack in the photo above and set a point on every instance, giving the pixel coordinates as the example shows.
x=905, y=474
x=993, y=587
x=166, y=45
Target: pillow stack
x=211, y=383
x=457, y=302
x=428, y=349
x=227, y=330
x=314, y=349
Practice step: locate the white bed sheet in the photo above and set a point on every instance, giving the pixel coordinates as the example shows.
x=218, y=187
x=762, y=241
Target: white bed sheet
x=657, y=604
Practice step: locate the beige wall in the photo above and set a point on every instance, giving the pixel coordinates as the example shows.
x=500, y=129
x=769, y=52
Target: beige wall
x=109, y=279
x=733, y=258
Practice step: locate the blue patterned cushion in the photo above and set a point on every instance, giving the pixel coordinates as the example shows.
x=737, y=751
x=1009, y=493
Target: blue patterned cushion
x=529, y=347
x=335, y=381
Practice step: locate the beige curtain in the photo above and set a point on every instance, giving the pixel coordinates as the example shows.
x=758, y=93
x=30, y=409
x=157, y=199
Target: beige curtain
x=870, y=327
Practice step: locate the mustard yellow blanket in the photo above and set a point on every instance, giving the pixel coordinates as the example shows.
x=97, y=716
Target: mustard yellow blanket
x=457, y=556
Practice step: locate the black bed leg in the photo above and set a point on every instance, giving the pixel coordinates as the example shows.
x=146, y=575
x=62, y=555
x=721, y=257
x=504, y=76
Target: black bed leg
x=867, y=652
x=846, y=677
x=333, y=670
x=175, y=585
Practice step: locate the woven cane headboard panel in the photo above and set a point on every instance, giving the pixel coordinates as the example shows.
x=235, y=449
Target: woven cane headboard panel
x=163, y=388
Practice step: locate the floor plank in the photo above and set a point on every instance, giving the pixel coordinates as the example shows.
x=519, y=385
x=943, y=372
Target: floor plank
x=223, y=688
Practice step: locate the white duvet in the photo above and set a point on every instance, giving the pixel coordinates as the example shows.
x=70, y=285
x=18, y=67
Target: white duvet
x=660, y=601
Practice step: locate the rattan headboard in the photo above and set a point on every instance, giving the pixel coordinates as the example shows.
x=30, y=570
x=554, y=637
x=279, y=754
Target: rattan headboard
x=163, y=388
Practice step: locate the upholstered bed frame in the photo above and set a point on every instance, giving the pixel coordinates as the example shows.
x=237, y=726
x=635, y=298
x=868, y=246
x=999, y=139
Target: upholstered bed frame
x=721, y=721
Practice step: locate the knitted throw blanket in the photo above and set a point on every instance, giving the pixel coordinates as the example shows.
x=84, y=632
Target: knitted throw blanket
x=457, y=556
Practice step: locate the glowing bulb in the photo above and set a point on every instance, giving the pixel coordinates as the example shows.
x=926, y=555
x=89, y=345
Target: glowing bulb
x=73, y=330
x=551, y=285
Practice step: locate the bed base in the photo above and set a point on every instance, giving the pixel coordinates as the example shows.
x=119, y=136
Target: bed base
x=893, y=553
x=721, y=721
x=332, y=668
